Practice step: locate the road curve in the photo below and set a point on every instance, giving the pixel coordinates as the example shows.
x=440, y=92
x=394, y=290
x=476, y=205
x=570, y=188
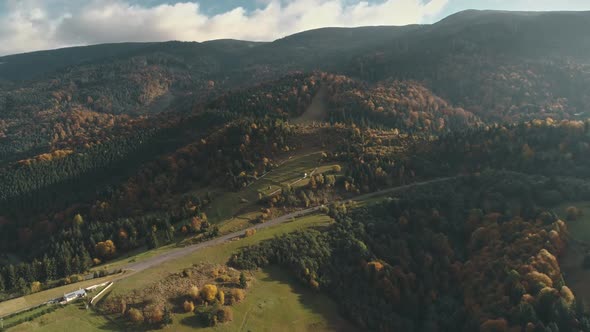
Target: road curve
x=179, y=252
x=135, y=267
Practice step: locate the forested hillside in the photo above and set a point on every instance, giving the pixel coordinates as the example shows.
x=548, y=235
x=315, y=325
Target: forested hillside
x=114, y=149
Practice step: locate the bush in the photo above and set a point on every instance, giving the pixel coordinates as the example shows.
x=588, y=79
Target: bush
x=572, y=213
x=194, y=293
x=187, y=273
x=156, y=315
x=236, y=295
x=135, y=315
x=225, y=314
x=188, y=306
x=35, y=287
x=221, y=297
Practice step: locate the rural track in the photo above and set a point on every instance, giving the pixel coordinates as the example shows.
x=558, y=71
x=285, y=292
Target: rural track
x=180, y=252
x=136, y=267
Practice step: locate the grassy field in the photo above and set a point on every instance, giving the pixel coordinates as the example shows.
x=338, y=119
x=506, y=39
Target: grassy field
x=576, y=276
x=317, y=111
x=73, y=317
x=226, y=205
x=218, y=254
x=275, y=301
x=21, y=303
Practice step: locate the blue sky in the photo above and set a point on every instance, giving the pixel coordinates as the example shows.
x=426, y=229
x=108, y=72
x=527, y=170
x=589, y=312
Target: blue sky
x=28, y=25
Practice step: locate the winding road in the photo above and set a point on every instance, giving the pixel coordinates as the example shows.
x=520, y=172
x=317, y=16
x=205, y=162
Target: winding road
x=180, y=252
x=135, y=267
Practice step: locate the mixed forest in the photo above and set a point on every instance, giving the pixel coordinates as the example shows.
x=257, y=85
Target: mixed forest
x=115, y=149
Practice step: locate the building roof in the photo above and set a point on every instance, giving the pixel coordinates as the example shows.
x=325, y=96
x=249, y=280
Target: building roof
x=77, y=293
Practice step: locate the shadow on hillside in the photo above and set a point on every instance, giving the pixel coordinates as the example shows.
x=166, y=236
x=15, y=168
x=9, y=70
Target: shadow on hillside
x=314, y=301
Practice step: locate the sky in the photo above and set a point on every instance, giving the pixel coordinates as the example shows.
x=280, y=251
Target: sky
x=30, y=25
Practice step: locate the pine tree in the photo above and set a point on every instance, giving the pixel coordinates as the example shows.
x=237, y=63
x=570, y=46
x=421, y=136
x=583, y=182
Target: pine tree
x=49, y=268
x=152, y=241
x=11, y=278
x=243, y=280
x=85, y=260
x=167, y=318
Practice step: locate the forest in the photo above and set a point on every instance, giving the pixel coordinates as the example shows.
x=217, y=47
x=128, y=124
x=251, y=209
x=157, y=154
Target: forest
x=453, y=257
x=126, y=151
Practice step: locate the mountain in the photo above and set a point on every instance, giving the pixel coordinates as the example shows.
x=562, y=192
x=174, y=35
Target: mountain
x=136, y=143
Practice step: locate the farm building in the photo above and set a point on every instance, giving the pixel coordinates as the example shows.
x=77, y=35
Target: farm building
x=73, y=296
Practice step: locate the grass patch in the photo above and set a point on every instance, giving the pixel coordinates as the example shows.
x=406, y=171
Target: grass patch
x=576, y=276
x=580, y=228
x=73, y=317
x=217, y=255
x=276, y=302
x=225, y=205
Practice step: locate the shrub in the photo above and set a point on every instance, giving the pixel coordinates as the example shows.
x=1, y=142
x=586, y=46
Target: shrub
x=135, y=316
x=243, y=280
x=35, y=287
x=156, y=315
x=76, y=278
x=225, y=314
x=188, y=306
x=221, y=297
x=122, y=306
x=572, y=213
x=194, y=293
x=236, y=295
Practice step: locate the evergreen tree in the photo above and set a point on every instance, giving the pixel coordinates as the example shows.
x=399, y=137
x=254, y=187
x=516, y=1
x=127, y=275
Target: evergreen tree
x=152, y=240
x=243, y=280
x=11, y=278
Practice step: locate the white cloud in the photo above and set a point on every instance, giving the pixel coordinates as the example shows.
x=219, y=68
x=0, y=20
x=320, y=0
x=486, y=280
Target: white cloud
x=33, y=24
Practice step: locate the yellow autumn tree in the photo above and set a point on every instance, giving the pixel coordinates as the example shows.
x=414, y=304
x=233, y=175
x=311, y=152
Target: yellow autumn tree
x=221, y=297
x=194, y=292
x=105, y=249
x=208, y=292
x=188, y=306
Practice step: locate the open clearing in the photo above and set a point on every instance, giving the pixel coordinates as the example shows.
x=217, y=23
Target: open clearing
x=275, y=301
x=226, y=205
x=317, y=111
x=571, y=262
